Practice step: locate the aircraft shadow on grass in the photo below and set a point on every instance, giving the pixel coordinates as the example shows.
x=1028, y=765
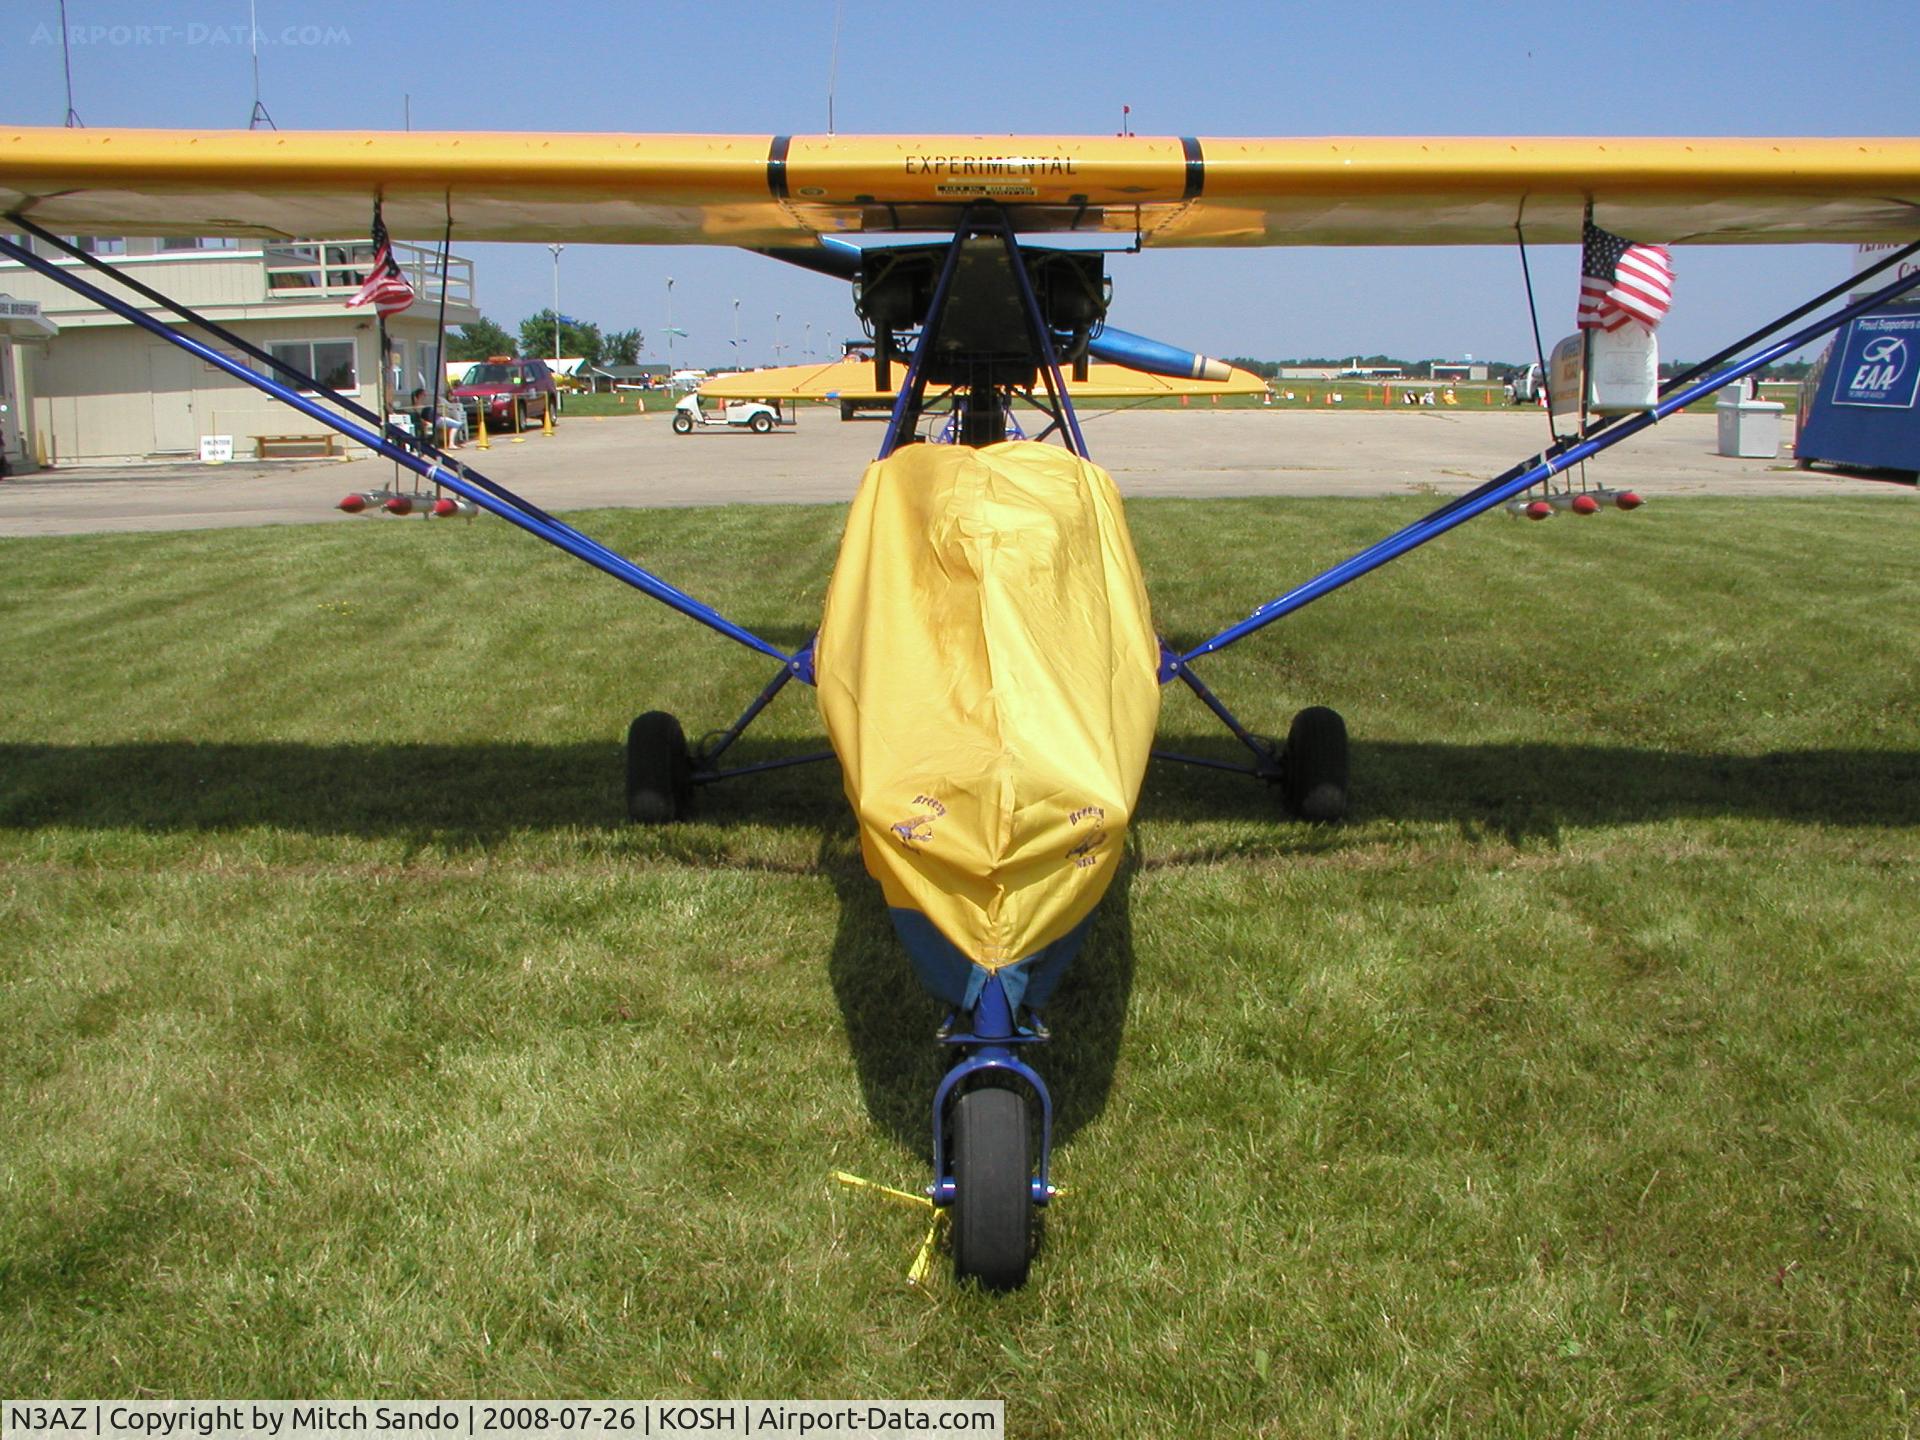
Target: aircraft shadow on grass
x=478, y=793
x=474, y=795
x=890, y=1020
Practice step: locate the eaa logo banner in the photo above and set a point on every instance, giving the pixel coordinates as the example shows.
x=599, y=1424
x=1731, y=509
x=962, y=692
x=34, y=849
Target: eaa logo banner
x=1881, y=363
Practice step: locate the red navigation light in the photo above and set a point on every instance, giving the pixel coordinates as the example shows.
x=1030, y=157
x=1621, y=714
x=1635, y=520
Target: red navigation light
x=1627, y=500
x=399, y=505
x=444, y=507
x=1585, y=505
x=1539, y=510
x=353, y=504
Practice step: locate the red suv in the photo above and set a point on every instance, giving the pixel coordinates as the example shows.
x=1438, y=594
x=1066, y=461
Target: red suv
x=517, y=393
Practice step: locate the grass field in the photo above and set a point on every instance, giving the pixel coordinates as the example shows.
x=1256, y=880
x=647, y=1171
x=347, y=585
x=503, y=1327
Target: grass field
x=355, y=1046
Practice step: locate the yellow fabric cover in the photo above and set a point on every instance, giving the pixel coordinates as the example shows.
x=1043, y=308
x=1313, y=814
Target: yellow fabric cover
x=987, y=671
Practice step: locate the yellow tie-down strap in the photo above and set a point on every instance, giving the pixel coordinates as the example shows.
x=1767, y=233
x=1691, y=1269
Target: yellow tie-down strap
x=987, y=672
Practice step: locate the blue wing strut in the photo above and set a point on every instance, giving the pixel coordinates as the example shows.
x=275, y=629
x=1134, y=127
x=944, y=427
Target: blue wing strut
x=1504, y=487
x=486, y=494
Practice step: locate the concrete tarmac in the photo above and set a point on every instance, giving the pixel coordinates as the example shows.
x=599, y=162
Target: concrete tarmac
x=631, y=460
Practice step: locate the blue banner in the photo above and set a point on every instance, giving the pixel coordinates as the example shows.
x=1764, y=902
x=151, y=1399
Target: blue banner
x=1880, y=362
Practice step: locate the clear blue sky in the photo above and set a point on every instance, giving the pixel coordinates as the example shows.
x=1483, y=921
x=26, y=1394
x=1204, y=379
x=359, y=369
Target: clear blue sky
x=1227, y=68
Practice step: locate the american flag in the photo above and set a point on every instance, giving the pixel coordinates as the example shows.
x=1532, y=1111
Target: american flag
x=386, y=289
x=1621, y=281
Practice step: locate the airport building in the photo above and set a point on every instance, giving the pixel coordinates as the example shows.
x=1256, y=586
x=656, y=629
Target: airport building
x=21, y=324
x=82, y=385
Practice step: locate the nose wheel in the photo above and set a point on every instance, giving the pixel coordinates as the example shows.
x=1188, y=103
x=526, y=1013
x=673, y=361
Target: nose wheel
x=993, y=1189
x=983, y=1144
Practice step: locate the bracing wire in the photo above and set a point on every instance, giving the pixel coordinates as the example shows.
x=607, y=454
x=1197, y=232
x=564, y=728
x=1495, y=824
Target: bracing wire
x=1533, y=313
x=833, y=64
x=66, y=61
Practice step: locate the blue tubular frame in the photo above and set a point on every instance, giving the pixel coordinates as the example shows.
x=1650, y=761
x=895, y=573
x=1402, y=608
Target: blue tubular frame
x=988, y=1046
x=1504, y=487
x=1064, y=415
x=483, y=493
x=305, y=382
x=908, y=401
x=800, y=667
x=1267, y=762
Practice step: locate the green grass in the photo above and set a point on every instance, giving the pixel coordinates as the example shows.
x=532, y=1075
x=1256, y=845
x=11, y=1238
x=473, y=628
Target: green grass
x=356, y=1047
x=585, y=403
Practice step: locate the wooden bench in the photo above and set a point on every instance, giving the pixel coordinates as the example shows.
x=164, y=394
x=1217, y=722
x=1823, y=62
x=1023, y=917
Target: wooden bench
x=296, y=447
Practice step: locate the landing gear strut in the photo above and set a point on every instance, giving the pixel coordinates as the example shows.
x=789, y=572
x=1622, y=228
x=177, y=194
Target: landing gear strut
x=982, y=1142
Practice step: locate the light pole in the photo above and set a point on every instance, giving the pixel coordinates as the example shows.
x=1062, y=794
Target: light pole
x=736, y=332
x=776, y=337
x=556, y=249
x=806, y=341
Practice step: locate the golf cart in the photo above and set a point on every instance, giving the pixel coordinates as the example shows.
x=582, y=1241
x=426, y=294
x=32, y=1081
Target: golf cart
x=755, y=415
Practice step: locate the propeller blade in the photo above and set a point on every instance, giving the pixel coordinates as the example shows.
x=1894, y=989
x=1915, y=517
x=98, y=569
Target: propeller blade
x=1154, y=357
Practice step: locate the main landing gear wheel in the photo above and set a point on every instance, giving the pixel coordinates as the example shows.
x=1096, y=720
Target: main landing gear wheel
x=1315, y=780
x=659, y=769
x=682, y=423
x=760, y=424
x=992, y=1189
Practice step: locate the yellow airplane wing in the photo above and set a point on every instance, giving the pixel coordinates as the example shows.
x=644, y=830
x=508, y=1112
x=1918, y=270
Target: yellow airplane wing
x=852, y=379
x=774, y=190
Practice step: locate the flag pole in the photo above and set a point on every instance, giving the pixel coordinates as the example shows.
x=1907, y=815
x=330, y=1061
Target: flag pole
x=1586, y=354
x=386, y=406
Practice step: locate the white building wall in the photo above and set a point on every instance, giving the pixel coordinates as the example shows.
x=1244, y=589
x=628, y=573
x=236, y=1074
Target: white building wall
x=120, y=393
x=104, y=389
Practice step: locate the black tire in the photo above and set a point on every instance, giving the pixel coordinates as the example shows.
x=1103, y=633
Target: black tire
x=519, y=417
x=659, y=770
x=1315, y=783
x=760, y=424
x=682, y=423
x=993, y=1189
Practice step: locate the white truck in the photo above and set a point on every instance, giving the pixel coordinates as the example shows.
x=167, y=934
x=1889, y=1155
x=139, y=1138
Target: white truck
x=755, y=415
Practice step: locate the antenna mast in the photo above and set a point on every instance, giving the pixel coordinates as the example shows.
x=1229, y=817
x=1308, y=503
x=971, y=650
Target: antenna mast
x=66, y=60
x=260, y=116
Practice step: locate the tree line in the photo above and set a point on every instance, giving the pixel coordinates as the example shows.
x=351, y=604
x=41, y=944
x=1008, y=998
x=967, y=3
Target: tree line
x=484, y=337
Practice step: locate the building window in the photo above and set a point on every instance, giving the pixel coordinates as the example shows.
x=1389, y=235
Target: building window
x=293, y=267
x=331, y=362
x=176, y=243
x=98, y=244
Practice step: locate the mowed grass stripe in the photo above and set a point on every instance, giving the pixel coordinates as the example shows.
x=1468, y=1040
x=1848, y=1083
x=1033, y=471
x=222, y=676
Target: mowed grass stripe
x=357, y=1047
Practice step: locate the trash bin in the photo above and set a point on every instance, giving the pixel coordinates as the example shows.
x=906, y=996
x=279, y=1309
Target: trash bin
x=1749, y=429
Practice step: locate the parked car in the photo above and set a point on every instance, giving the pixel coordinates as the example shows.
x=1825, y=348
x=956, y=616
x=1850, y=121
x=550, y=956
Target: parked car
x=515, y=392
